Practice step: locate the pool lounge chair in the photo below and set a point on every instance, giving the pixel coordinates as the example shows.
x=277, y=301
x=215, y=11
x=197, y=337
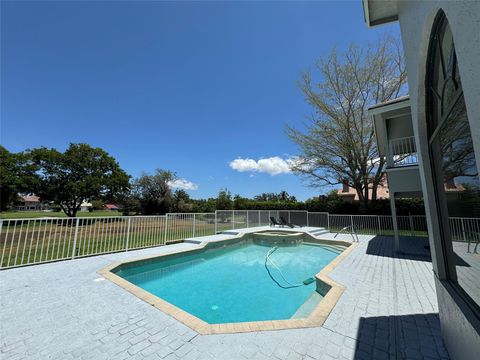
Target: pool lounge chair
x=274, y=222
x=285, y=222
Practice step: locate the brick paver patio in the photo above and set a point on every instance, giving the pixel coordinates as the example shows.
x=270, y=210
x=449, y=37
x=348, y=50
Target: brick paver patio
x=65, y=310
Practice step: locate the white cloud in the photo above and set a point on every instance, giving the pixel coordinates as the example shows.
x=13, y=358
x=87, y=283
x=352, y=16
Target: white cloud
x=273, y=165
x=243, y=165
x=182, y=184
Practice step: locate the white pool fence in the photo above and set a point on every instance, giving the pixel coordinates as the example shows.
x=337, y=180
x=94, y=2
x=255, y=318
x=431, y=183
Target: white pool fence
x=33, y=241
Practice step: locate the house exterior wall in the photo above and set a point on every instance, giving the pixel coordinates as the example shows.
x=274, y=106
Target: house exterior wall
x=404, y=179
x=460, y=326
x=399, y=127
x=28, y=205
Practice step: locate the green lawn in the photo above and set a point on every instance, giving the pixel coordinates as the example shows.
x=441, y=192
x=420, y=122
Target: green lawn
x=42, y=214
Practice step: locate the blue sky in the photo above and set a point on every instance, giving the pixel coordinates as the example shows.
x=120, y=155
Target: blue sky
x=184, y=86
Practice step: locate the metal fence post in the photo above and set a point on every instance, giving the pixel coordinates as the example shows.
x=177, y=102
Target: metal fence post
x=247, y=220
x=412, y=229
x=194, y=225
x=127, y=240
x=166, y=226
x=233, y=219
x=379, y=226
x=307, y=218
x=75, y=238
x=259, y=218
x=328, y=221
x=351, y=221
x=463, y=231
x=215, y=221
x=1, y=231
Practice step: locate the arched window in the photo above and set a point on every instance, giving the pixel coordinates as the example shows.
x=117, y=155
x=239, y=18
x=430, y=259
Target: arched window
x=454, y=167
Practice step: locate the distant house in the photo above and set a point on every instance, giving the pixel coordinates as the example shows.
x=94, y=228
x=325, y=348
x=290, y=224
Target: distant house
x=28, y=203
x=349, y=194
x=85, y=206
x=111, y=207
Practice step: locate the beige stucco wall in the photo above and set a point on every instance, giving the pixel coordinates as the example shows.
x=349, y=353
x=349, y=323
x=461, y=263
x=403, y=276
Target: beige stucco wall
x=459, y=326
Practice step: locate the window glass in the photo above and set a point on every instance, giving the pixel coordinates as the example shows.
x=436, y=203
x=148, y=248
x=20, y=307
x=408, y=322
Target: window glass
x=455, y=165
x=462, y=194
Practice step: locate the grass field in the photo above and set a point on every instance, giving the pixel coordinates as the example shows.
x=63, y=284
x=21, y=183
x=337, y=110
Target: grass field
x=42, y=214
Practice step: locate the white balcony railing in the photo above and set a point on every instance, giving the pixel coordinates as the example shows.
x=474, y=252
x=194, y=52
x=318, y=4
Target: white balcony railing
x=402, y=152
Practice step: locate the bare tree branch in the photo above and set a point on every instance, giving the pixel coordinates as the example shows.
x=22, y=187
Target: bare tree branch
x=339, y=143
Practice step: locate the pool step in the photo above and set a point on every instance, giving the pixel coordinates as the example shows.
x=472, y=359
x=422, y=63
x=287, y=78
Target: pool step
x=318, y=232
x=308, y=306
x=338, y=249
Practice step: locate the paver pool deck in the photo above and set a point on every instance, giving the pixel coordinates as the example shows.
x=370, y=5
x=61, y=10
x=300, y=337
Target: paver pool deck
x=65, y=310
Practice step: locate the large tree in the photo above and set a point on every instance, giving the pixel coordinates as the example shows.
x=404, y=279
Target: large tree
x=154, y=192
x=339, y=145
x=17, y=175
x=79, y=174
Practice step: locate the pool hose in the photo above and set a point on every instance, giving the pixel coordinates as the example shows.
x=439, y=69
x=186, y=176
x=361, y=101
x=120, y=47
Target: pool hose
x=268, y=260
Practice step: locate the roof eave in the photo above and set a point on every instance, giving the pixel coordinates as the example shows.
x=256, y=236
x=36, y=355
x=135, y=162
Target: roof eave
x=384, y=20
x=370, y=20
x=394, y=104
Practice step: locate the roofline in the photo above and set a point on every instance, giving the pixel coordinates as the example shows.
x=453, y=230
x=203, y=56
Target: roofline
x=398, y=103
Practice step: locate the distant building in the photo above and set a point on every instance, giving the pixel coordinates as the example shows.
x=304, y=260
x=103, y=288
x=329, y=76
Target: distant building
x=111, y=207
x=349, y=194
x=28, y=203
x=85, y=206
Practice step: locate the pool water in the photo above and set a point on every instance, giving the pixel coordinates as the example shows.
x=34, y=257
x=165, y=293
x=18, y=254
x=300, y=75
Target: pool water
x=232, y=284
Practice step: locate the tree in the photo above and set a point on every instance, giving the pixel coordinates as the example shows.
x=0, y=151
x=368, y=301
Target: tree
x=204, y=206
x=153, y=192
x=282, y=196
x=17, y=175
x=97, y=204
x=182, y=201
x=224, y=200
x=128, y=202
x=339, y=144
x=240, y=203
x=79, y=174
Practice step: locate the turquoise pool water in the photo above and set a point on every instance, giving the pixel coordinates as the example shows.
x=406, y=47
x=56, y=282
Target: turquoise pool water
x=232, y=284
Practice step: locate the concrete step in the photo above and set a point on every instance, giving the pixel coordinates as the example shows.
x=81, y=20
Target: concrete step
x=308, y=306
x=319, y=232
x=334, y=248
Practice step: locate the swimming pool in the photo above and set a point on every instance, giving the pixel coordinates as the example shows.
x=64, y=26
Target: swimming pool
x=235, y=283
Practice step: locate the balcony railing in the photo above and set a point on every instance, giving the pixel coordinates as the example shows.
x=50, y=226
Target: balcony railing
x=402, y=152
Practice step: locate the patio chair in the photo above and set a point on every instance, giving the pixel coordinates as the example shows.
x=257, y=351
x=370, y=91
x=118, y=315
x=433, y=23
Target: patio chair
x=285, y=222
x=274, y=222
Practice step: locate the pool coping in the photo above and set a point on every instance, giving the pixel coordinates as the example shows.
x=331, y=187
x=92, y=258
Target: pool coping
x=316, y=318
